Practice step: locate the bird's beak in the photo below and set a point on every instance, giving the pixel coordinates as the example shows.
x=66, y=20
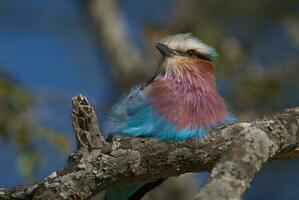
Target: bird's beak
x=165, y=50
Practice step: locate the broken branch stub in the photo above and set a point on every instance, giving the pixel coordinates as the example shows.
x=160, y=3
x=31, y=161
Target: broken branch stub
x=85, y=123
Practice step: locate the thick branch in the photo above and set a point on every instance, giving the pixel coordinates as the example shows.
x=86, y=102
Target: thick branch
x=232, y=175
x=254, y=146
x=131, y=160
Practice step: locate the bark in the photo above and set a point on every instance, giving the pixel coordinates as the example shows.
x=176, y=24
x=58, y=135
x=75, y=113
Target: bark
x=99, y=164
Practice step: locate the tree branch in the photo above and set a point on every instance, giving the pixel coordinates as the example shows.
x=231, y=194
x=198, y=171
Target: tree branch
x=98, y=164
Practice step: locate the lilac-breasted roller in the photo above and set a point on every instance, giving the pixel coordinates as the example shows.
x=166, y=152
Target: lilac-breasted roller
x=179, y=102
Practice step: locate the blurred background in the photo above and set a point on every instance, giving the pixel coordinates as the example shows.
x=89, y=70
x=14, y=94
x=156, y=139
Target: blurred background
x=51, y=50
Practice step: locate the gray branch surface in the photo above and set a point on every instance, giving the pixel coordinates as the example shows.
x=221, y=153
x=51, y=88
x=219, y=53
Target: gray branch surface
x=241, y=149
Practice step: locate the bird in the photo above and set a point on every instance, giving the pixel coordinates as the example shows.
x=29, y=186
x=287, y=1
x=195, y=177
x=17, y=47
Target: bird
x=179, y=102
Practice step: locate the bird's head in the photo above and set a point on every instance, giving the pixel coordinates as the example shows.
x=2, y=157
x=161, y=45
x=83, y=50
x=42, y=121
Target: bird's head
x=183, y=52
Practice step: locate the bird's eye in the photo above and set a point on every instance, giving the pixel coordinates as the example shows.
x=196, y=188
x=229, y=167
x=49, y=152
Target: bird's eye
x=190, y=52
x=195, y=54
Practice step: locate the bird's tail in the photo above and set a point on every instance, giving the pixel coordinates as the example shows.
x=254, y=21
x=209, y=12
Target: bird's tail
x=132, y=192
x=122, y=193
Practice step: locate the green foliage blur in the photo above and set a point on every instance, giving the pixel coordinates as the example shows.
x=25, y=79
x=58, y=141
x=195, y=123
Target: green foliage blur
x=17, y=129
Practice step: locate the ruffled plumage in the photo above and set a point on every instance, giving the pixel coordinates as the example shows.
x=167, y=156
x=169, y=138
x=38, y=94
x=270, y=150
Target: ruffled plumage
x=135, y=116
